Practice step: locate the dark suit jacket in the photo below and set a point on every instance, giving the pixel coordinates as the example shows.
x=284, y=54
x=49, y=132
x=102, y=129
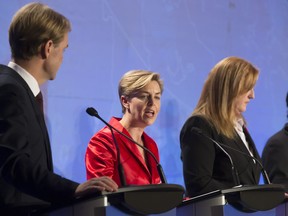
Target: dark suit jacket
x=26, y=167
x=275, y=157
x=206, y=167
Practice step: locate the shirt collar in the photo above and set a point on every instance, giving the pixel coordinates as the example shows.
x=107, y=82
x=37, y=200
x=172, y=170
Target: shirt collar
x=238, y=124
x=29, y=79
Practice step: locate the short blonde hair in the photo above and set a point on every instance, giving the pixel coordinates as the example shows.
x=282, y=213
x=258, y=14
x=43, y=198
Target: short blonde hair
x=228, y=79
x=134, y=80
x=32, y=26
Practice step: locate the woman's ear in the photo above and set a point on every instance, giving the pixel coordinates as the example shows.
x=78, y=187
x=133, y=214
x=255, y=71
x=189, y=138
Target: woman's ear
x=124, y=101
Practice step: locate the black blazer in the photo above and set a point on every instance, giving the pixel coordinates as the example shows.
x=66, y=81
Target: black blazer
x=206, y=167
x=275, y=157
x=26, y=167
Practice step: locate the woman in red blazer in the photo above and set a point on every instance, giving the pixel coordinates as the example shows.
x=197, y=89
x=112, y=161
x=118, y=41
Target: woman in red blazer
x=140, y=93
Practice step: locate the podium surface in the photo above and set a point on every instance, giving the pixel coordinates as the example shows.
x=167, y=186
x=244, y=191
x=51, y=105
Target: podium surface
x=249, y=200
x=166, y=200
x=160, y=199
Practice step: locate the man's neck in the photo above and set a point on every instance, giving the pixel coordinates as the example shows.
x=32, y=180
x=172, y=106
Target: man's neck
x=32, y=66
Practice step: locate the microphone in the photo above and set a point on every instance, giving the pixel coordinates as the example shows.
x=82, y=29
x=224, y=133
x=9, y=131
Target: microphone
x=263, y=171
x=234, y=170
x=92, y=112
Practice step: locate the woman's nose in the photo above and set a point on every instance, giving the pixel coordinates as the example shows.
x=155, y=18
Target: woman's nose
x=251, y=94
x=150, y=101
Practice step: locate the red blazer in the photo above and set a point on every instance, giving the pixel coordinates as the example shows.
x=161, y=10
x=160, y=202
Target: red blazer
x=101, y=157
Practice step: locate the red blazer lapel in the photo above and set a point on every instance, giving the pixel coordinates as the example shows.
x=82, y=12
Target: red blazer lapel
x=129, y=148
x=132, y=150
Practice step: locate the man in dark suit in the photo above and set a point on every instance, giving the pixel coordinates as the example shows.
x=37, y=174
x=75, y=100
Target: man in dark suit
x=38, y=37
x=275, y=155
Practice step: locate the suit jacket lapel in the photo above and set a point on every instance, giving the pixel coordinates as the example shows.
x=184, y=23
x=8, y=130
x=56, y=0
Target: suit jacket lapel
x=37, y=111
x=240, y=144
x=252, y=147
x=251, y=143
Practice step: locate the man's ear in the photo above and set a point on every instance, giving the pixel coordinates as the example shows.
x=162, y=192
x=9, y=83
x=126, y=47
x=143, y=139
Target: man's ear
x=46, y=49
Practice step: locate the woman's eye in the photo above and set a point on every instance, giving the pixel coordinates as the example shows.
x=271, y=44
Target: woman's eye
x=143, y=96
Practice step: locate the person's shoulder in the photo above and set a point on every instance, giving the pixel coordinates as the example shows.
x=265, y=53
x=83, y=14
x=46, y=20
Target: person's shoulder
x=4, y=67
x=104, y=134
x=11, y=87
x=279, y=138
x=5, y=70
x=196, y=120
x=277, y=141
x=10, y=79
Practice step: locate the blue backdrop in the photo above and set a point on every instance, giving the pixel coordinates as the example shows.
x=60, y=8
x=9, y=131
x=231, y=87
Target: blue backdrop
x=180, y=39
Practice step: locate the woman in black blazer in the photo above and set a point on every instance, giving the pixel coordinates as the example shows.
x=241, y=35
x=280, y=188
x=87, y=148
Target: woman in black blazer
x=215, y=133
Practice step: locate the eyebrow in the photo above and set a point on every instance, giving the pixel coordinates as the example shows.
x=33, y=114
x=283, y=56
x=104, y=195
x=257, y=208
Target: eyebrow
x=149, y=92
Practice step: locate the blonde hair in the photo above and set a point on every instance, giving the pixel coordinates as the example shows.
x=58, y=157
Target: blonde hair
x=134, y=80
x=228, y=79
x=32, y=26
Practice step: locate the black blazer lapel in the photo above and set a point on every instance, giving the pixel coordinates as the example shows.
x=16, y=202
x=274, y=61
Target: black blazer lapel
x=253, y=148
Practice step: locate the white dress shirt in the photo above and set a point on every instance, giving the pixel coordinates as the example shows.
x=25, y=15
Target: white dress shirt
x=238, y=125
x=29, y=79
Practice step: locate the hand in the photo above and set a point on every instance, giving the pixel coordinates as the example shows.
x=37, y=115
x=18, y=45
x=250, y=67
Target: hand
x=286, y=195
x=103, y=183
